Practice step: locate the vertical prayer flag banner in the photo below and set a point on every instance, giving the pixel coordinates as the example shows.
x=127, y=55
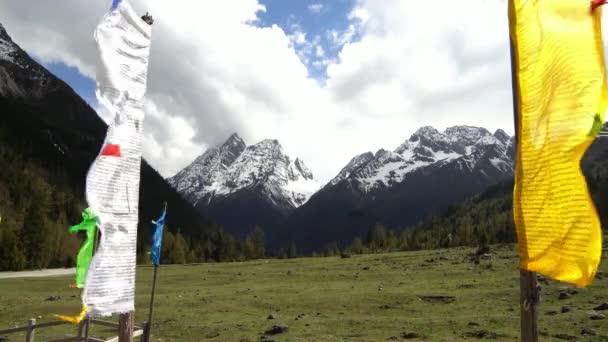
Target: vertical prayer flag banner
x=561, y=85
x=89, y=225
x=157, y=237
x=112, y=187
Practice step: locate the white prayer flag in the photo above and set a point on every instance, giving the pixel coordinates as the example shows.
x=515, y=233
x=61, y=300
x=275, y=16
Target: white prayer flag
x=112, y=186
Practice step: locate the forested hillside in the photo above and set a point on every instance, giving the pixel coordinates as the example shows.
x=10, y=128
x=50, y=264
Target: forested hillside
x=48, y=139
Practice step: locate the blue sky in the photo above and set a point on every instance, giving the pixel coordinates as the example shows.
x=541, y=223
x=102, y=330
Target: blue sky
x=325, y=25
x=401, y=68
x=317, y=20
x=83, y=85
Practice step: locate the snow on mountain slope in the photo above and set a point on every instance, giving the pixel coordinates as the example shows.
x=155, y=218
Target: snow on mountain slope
x=205, y=174
x=463, y=146
x=7, y=48
x=19, y=77
x=264, y=167
x=352, y=166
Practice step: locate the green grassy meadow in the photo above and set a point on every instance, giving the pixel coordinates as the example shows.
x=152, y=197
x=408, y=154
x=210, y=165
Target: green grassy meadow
x=374, y=297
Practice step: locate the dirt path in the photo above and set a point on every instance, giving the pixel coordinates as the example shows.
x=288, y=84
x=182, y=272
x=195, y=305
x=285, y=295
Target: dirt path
x=41, y=273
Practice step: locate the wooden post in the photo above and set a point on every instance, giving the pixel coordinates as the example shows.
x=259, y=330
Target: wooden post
x=82, y=327
x=528, y=300
x=145, y=337
x=125, y=327
x=86, y=328
x=31, y=325
x=148, y=326
x=528, y=292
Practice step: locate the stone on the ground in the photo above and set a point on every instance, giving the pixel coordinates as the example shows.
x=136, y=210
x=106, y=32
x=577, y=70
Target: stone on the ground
x=409, y=335
x=481, y=334
x=566, y=308
x=266, y=339
x=273, y=316
x=212, y=334
x=597, y=316
x=277, y=329
x=603, y=306
x=588, y=332
x=565, y=337
x=438, y=299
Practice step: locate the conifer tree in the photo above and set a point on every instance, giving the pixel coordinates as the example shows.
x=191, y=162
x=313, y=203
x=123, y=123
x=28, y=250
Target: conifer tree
x=291, y=252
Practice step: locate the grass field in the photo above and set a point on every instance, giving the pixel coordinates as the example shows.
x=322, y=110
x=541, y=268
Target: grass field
x=364, y=298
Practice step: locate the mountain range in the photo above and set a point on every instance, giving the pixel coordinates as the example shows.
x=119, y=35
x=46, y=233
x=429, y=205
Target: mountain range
x=240, y=186
x=426, y=173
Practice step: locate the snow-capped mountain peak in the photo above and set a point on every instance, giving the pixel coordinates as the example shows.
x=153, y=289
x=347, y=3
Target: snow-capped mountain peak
x=352, y=166
x=20, y=76
x=301, y=167
x=502, y=136
x=7, y=47
x=467, y=135
x=465, y=145
x=263, y=168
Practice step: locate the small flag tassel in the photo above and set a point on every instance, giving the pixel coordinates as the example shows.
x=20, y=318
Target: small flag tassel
x=74, y=319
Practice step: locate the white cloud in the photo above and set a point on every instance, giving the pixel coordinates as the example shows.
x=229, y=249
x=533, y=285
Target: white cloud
x=319, y=52
x=298, y=38
x=315, y=8
x=212, y=73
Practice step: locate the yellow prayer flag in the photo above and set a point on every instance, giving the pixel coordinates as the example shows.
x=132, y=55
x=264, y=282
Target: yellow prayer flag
x=561, y=86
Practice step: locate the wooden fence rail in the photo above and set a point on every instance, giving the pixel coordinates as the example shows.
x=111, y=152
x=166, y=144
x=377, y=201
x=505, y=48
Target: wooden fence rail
x=32, y=326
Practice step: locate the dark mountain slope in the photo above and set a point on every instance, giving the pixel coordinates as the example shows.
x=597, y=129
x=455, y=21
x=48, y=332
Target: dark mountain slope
x=488, y=217
x=426, y=173
x=51, y=135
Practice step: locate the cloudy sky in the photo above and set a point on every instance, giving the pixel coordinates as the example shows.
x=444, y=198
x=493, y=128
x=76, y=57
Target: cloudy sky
x=328, y=79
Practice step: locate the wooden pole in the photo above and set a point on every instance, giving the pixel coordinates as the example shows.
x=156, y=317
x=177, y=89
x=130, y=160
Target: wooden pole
x=528, y=300
x=125, y=327
x=145, y=326
x=148, y=326
x=528, y=291
x=86, y=328
x=81, y=327
x=31, y=325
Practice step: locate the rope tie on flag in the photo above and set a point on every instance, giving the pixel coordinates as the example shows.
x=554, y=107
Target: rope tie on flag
x=597, y=3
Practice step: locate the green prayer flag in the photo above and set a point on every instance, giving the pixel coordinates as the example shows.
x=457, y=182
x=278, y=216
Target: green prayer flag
x=88, y=224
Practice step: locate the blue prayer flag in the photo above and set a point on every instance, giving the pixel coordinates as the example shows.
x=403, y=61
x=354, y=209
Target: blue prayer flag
x=157, y=238
x=115, y=3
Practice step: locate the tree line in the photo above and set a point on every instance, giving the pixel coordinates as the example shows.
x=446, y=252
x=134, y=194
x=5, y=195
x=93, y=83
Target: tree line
x=482, y=220
x=38, y=205
x=218, y=247
x=39, y=202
